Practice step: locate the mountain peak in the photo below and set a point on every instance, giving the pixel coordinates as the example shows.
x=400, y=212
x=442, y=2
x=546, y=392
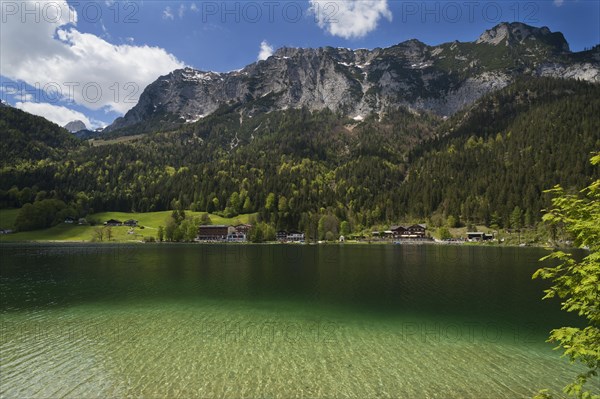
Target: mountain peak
x=440, y=79
x=75, y=126
x=514, y=33
x=287, y=51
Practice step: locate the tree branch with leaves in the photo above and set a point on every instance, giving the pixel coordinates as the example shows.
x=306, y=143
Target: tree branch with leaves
x=577, y=282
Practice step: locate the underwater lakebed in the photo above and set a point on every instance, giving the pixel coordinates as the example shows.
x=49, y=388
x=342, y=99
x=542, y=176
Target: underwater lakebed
x=182, y=321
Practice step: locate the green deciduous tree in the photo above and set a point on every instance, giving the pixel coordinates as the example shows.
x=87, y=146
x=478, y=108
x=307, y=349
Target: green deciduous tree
x=269, y=232
x=345, y=228
x=179, y=233
x=247, y=205
x=256, y=234
x=444, y=233
x=40, y=215
x=270, y=202
x=205, y=219
x=328, y=223
x=577, y=283
x=261, y=232
x=108, y=233
x=235, y=203
x=98, y=234
x=170, y=228
x=452, y=221
x=283, y=204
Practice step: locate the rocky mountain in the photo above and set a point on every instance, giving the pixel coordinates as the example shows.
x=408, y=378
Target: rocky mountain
x=440, y=79
x=75, y=126
x=521, y=34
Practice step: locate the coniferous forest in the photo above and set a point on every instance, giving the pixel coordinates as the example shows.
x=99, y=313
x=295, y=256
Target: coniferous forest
x=488, y=164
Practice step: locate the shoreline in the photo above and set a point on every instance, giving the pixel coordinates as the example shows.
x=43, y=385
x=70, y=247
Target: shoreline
x=352, y=243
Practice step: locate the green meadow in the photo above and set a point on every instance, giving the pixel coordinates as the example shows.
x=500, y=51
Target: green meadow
x=73, y=232
x=7, y=218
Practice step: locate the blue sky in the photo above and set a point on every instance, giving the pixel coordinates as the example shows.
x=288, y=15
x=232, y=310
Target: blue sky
x=202, y=40
x=118, y=47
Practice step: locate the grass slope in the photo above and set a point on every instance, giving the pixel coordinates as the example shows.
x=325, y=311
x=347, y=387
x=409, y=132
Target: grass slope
x=74, y=232
x=7, y=218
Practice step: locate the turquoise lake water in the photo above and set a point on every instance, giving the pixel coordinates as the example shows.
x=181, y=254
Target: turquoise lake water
x=276, y=321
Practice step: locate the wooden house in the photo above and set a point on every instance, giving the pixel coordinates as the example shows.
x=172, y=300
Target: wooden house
x=243, y=228
x=113, y=223
x=479, y=236
x=236, y=237
x=295, y=236
x=214, y=232
x=282, y=235
x=409, y=231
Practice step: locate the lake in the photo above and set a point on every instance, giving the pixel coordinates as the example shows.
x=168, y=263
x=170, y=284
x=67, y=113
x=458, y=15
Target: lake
x=276, y=321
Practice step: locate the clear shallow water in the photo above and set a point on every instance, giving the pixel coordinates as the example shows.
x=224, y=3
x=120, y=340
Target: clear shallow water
x=275, y=321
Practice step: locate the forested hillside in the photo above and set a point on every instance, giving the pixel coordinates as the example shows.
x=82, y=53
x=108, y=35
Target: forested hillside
x=497, y=158
x=28, y=137
x=483, y=165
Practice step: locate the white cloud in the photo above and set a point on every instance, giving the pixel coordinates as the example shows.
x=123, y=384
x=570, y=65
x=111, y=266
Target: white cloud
x=105, y=33
x=8, y=89
x=350, y=18
x=55, y=113
x=24, y=96
x=168, y=13
x=194, y=7
x=558, y=3
x=85, y=68
x=266, y=50
x=181, y=11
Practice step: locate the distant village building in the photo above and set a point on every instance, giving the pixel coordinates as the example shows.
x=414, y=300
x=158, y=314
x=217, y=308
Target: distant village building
x=479, y=236
x=214, y=232
x=236, y=237
x=281, y=235
x=131, y=223
x=113, y=223
x=295, y=236
x=412, y=231
x=69, y=220
x=223, y=233
x=290, y=236
x=82, y=221
x=243, y=228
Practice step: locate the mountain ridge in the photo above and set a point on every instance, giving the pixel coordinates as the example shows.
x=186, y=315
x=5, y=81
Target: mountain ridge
x=441, y=79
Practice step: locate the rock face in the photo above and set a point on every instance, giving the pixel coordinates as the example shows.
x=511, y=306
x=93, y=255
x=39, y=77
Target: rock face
x=585, y=71
x=517, y=33
x=441, y=79
x=75, y=126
